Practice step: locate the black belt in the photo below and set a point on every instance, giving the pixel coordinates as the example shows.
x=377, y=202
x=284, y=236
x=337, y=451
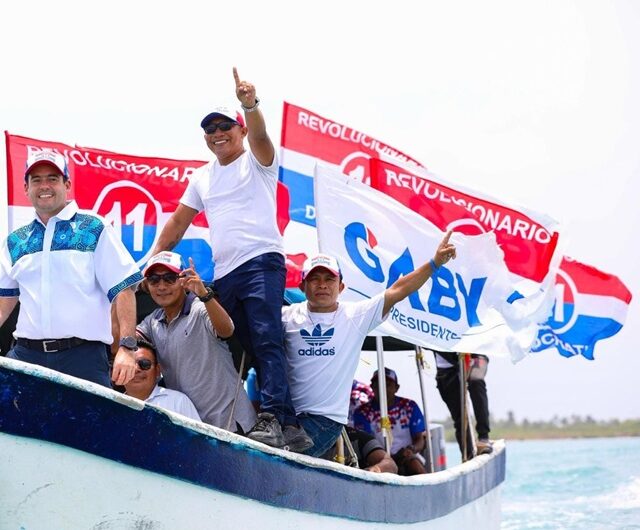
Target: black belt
x=51, y=345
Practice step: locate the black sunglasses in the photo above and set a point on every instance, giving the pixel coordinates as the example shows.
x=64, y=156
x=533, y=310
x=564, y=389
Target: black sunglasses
x=224, y=126
x=144, y=364
x=169, y=278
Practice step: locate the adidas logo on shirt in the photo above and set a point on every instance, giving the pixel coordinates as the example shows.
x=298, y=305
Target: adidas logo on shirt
x=316, y=339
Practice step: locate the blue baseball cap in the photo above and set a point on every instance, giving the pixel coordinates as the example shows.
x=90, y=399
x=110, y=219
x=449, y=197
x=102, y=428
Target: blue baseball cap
x=388, y=372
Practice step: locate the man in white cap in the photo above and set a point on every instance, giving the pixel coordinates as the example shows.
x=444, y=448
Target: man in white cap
x=66, y=268
x=323, y=340
x=237, y=192
x=188, y=330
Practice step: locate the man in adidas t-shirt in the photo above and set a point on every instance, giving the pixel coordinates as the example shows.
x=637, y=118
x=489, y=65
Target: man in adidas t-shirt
x=323, y=339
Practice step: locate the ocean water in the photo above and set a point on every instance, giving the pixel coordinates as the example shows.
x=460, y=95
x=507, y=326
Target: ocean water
x=581, y=484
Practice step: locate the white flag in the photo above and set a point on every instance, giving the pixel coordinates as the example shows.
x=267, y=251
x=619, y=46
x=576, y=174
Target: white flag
x=468, y=306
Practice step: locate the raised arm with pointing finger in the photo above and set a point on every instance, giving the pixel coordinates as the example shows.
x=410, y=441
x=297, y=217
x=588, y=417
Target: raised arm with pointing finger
x=227, y=146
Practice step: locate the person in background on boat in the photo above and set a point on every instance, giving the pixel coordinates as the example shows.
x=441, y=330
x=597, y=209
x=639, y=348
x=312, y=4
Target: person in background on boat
x=188, y=331
x=361, y=393
x=369, y=452
x=145, y=386
x=323, y=339
x=67, y=267
x=448, y=382
x=237, y=191
x=407, y=424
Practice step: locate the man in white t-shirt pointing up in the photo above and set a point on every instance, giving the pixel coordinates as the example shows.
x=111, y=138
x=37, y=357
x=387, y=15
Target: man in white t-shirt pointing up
x=237, y=192
x=323, y=339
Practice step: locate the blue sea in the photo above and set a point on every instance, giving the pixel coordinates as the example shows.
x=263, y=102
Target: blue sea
x=581, y=484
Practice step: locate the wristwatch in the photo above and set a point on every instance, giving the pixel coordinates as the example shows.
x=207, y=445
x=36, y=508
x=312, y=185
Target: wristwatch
x=130, y=343
x=210, y=294
x=251, y=109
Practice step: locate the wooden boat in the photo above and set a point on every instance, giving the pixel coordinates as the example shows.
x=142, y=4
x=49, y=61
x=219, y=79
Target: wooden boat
x=77, y=455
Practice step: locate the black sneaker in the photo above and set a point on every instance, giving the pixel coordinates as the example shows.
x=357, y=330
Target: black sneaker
x=296, y=439
x=267, y=430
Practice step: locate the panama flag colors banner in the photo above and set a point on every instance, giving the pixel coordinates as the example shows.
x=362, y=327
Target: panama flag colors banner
x=590, y=305
x=469, y=305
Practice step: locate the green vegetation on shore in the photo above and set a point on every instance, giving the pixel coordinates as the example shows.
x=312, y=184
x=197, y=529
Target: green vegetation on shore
x=573, y=427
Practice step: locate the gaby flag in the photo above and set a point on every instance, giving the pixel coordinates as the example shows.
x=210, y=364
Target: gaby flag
x=136, y=194
x=590, y=305
x=469, y=304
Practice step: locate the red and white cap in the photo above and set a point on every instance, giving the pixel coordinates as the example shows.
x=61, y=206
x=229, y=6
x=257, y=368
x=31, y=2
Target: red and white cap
x=47, y=156
x=170, y=260
x=321, y=260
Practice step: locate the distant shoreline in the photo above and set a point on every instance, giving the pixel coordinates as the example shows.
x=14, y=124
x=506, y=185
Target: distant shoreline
x=557, y=428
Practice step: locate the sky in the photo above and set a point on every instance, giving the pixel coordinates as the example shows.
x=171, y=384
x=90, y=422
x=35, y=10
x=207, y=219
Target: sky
x=531, y=102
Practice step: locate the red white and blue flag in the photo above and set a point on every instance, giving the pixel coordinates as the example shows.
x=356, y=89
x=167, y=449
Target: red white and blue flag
x=591, y=305
x=136, y=194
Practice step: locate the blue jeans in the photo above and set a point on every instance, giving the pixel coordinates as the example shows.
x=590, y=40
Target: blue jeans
x=88, y=361
x=323, y=431
x=253, y=294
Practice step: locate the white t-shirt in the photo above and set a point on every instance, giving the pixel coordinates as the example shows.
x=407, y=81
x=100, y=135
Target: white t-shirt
x=174, y=401
x=322, y=352
x=239, y=201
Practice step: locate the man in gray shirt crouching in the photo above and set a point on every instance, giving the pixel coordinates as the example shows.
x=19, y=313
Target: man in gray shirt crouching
x=187, y=330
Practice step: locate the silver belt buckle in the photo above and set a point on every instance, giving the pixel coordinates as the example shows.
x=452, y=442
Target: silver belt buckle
x=45, y=346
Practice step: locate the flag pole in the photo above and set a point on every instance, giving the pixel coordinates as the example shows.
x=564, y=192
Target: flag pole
x=385, y=423
x=427, y=423
x=464, y=422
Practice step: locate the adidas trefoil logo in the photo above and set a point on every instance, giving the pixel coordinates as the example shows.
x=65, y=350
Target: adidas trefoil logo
x=316, y=339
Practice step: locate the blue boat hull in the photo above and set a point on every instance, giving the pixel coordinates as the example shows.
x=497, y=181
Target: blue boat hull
x=38, y=404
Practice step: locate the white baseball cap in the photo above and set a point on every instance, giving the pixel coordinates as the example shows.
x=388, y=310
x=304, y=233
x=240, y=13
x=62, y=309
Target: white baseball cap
x=46, y=156
x=222, y=111
x=321, y=260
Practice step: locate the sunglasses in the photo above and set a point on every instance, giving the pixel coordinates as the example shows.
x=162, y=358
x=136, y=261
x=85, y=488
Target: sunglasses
x=169, y=278
x=144, y=364
x=224, y=126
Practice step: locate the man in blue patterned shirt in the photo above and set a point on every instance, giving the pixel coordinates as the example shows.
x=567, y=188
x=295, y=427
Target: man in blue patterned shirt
x=66, y=268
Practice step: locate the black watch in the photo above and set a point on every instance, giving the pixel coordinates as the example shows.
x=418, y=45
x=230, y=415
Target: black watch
x=130, y=343
x=210, y=294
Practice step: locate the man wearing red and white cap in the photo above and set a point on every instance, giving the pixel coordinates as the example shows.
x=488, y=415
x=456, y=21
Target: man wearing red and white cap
x=66, y=268
x=189, y=330
x=237, y=192
x=323, y=339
